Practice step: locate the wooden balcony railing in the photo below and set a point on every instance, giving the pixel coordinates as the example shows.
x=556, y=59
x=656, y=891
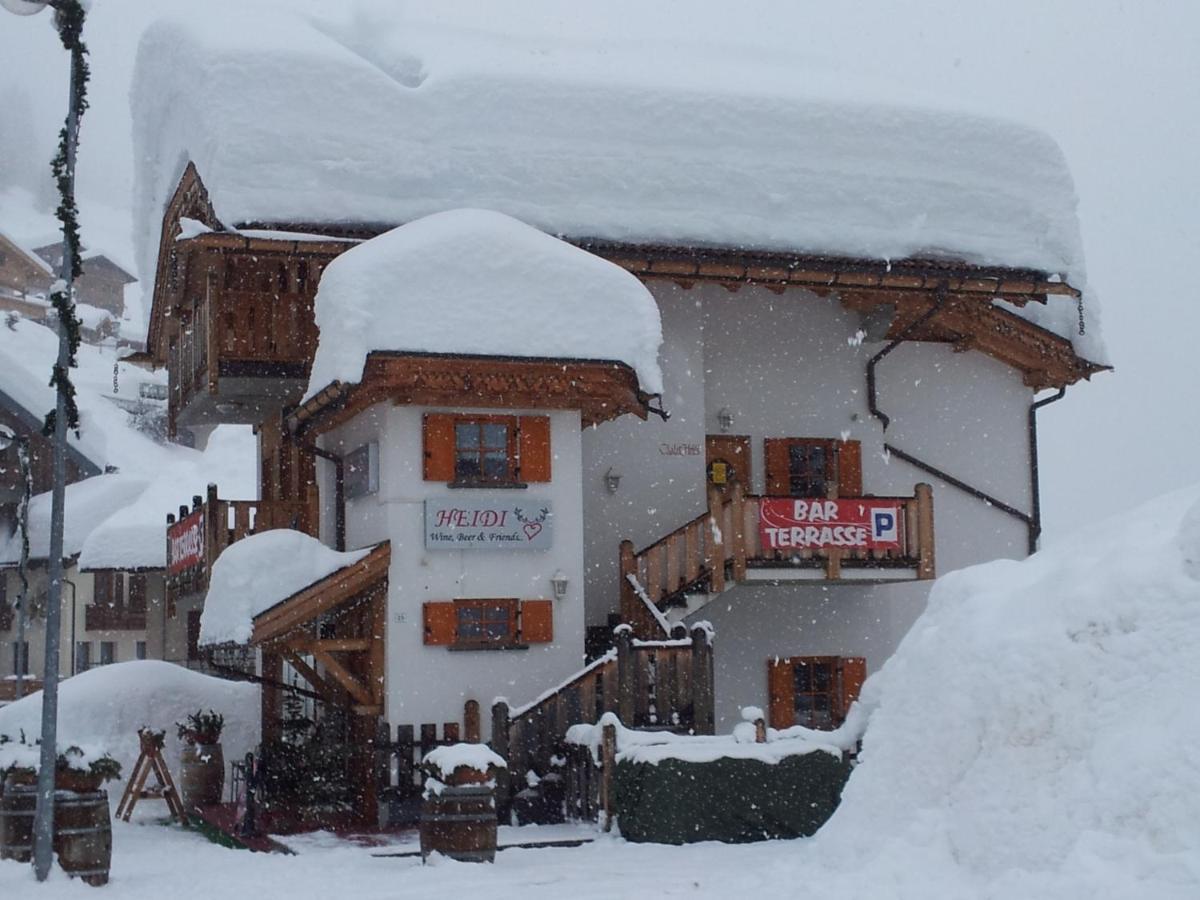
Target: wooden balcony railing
x=724, y=544
x=199, y=535
x=102, y=617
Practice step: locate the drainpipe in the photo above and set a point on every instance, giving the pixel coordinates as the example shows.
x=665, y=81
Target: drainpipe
x=1035, y=526
x=74, y=657
x=339, y=494
x=1032, y=522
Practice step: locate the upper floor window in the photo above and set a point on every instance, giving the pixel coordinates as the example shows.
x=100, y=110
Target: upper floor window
x=813, y=467
x=486, y=451
x=362, y=471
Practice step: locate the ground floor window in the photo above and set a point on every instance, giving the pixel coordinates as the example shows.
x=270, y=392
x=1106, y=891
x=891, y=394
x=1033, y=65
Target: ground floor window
x=482, y=624
x=108, y=653
x=83, y=656
x=139, y=651
x=20, y=657
x=813, y=691
x=486, y=621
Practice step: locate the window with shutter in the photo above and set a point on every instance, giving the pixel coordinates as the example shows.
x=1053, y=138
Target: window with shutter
x=485, y=451
x=813, y=467
x=440, y=623
x=813, y=691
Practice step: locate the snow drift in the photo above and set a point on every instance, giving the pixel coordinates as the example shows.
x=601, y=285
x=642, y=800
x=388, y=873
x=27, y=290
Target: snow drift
x=1037, y=732
x=520, y=291
x=105, y=707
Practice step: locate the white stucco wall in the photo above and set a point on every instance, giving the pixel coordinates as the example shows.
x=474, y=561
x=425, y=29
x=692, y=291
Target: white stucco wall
x=787, y=365
x=430, y=684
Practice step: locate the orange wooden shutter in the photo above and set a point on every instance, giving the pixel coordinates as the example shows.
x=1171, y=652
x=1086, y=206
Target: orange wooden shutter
x=849, y=457
x=781, y=694
x=852, y=672
x=439, y=447
x=537, y=621
x=441, y=623
x=535, y=448
x=775, y=451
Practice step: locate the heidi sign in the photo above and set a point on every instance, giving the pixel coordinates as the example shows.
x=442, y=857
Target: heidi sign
x=185, y=543
x=453, y=524
x=820, y=524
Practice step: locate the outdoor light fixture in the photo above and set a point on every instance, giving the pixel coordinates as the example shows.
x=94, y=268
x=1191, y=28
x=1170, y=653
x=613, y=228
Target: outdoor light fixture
x=612, y=480
x=559, y=582
x=725, y=419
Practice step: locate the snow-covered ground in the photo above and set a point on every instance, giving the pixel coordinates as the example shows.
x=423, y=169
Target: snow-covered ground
x=1035, y=736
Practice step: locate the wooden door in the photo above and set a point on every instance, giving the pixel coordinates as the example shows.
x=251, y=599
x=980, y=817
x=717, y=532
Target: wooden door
x=727, y=461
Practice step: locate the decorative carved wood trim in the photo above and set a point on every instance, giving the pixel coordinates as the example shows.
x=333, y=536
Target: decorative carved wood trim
x=600, y=390
x=282, y=620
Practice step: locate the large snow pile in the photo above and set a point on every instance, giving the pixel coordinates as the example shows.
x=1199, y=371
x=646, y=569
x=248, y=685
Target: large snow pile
x=256, y=573
x=477, y=282
x=392, y=133
x=1037, y=733
x=107, y=705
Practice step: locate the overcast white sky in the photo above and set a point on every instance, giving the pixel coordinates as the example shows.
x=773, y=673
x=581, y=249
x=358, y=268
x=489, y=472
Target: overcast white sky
x=1117, y=84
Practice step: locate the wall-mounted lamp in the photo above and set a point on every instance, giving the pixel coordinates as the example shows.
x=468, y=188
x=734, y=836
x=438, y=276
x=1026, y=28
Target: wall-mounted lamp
x=725, y=419
x=559, y=582
x=612, y=480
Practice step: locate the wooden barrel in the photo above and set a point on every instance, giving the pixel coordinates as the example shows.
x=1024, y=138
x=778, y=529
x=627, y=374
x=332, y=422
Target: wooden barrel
x=460, y=823
x=17, y=806
x=202, y=775
x=83, y=835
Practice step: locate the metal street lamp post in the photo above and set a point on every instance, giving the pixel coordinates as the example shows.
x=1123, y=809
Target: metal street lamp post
x=69, y=15
x=8, y=438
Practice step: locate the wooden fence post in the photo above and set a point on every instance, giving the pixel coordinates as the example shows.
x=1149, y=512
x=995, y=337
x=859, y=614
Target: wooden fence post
x=925, y=564
x=631, y=605
x=703, y=717
x=608, y=759
x=716, y=541
x=500, y=735
x=471, y=721
x=738, y=523
x=760, y=730
x=626, y=675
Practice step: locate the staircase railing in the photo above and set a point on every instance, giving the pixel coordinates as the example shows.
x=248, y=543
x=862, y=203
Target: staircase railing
x=719, y=546
x=664, y=685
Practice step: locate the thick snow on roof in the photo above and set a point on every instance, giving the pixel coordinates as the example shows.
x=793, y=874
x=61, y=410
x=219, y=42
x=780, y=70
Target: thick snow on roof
x=105, y=707
x=88, y=503
x=477, y=282
x=27, y=354
x=256, y=573
x=390, y=133
x=1037, y=733
x=134, y=536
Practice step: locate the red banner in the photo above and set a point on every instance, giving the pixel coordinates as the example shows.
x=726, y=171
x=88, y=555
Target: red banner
x=185, y=543
x=817, y=524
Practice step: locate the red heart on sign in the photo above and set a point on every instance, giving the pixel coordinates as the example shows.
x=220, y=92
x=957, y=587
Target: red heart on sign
x=532, y=529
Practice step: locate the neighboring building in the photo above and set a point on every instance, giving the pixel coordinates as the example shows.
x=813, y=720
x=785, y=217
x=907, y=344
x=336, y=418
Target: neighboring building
x=858, y=309
x=25, y=280
x=102, y=284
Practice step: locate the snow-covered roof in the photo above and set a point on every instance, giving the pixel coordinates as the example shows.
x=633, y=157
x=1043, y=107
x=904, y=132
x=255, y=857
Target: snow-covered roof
x=88, y=503
x=28, y=252
x=289, y=123
x=476, y=282
x=259, y=571
x=134, y=536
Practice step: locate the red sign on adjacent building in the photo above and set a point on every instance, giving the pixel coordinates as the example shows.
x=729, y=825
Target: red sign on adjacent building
x=819, y=524
x=185, y=543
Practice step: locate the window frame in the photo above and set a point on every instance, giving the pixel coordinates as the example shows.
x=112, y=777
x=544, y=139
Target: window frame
x=842, y=477
x=512, y=636
x=364, y=459
x=512, y=450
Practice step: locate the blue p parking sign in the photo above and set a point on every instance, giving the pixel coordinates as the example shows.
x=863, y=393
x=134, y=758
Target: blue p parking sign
x=883, y=524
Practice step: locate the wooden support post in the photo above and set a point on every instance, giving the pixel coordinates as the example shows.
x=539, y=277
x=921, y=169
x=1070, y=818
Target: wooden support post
x=471, y=721
x=925, y=564
x=272, y=673
x=737, y=518
x=630, y=602
x=703, y=716
x=760, y=730
x=608, y=759
x=626, y=676
x=500, y=736
x=716, y=541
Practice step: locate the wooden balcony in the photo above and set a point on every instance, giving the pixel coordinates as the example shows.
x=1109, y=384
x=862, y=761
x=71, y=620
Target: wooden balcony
x=198, y=535
x=102, y=617
x=744, y=538
x=242, y=344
